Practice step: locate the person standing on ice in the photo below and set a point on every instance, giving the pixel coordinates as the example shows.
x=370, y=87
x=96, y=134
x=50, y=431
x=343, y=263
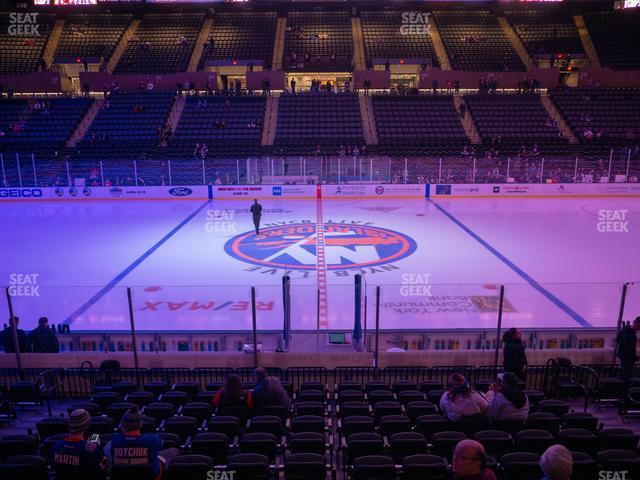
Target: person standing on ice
x=256, y=210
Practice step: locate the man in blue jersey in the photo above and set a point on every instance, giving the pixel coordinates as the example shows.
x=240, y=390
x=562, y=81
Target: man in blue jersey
x=132, y=447
x=75, y=456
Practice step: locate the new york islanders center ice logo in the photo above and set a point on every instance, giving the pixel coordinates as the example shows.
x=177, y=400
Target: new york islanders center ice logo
x=294, y=246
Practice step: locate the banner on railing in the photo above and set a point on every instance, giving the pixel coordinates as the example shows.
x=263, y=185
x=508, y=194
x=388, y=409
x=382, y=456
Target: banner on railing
x=261, y=191
x=105, y=193
x=532, y=190
x=204, y=192
x=373, y=190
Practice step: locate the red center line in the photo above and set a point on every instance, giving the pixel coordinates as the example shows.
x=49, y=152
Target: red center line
x=321, y=266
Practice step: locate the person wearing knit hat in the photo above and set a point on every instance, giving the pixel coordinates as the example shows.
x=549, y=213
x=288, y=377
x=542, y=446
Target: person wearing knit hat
x=132, y=447
x=79, y=421
x=132, y=420
x=460, y=400
x=75, y=456
x=557, y=463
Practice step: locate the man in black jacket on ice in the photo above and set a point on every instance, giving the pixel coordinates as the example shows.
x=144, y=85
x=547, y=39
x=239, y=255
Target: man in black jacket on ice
x=256, y=210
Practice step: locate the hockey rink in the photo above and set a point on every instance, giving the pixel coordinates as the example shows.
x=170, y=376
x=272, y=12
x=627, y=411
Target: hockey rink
x=439, y=263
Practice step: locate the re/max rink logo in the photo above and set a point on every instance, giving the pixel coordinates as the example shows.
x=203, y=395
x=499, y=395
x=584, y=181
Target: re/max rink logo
x=20, y=193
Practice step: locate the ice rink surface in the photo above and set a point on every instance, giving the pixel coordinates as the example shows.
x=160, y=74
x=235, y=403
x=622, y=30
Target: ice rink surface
x=439, y=263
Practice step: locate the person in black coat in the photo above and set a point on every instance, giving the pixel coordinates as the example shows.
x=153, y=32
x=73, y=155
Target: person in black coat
x=256, y=210
x=43, y=339
x=6, y=339
x=626, y=347
x=515, y=359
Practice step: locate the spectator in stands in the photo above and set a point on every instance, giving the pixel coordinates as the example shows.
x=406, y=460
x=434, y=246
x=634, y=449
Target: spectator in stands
x=6, y=338
x=266, y=87
x=535, y=151
x=482, y=86
x=556, y=463
x=232, y=394
x=626, y=347
x=75, y=456
x=268, y=391
x=462, y=109
x=132, y=447
x=514, y=357
x=506, y=400
x=460, y=401
x=469, y=462
x=293, y=86
x=43, y=339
